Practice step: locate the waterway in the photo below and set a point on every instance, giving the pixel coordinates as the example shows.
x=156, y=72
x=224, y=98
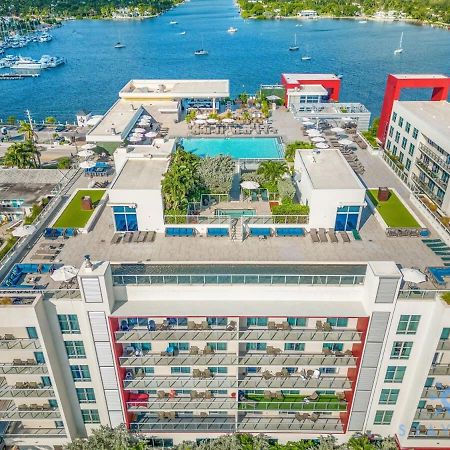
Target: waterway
x=257, y=53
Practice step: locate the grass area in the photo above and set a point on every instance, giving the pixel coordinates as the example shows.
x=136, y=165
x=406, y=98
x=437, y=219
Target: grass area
x=371, y=139
x=393, y=211
x=73, y=216
x=446, y=297
x=293, y=402
x=7, y=247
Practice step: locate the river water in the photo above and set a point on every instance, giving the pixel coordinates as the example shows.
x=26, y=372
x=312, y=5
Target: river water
x=257, y=53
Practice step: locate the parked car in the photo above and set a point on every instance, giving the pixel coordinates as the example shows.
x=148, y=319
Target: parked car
x=60, y=128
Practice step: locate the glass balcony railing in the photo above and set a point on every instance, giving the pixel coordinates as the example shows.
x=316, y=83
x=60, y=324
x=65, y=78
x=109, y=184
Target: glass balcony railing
x=294, y=382
x=278, y=423
x=11, y=392
x=195, y=423
x=293, y=359
x=144, y=335
x=432, y=414
x=187, y=382
x=20, y=344
x=183, y=404
x=440, y=369
x=218, y=359
x=300, y=335
x=13, y=369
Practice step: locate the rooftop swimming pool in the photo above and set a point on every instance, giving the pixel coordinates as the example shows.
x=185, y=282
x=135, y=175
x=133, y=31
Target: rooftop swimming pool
x=235, y=213
x=237, y=148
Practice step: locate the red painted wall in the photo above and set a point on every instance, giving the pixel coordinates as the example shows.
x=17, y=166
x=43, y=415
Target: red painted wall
x=332, y=86
x=394, y=86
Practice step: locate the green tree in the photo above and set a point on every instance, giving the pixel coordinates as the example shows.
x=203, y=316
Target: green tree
x=64, y=163
x=190, y=116
x=216, y=173
x=50, y=120
x=11, y=120
x=360, y=443
x=22, y=155
x=272, y=171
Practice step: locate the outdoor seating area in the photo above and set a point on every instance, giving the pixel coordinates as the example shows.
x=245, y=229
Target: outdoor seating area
x=145, y=130
x=27, y=276
x=231, y=129
x=135, y=237
x=322, y=235
x=100, y=169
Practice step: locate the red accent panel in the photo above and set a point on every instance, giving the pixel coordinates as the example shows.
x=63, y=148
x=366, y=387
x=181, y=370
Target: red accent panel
x=120, y=371
x=332, y=86
x=394, y=86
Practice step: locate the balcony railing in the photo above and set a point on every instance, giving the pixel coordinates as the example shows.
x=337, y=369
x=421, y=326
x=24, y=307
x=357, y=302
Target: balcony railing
x=11, y=392
x=429, y=432
x=277, y=220
x=300, y=335
x=424, y=414
x=196, y=220
x=168, y=382
x=20, y=344
x=425, y=188
x=296, y=360
x=279, y=423
x=17, y=415
x=444, y=344
x=174, y=335
x=291, y=406
x=11, y=369
x=182, y=404
x=218, y=359
x=434, y=156
x=193, y=424
x=25, y=432
x=294, y=382
x=434, y=393
x=440, y=369
x=432, y=175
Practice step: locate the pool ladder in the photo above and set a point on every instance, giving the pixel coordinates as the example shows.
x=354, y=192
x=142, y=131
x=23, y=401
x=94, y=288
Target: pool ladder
x=237, y=229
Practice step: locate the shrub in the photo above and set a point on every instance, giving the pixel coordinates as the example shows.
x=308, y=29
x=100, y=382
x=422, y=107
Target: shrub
x=216, y=173
x=290, y=209
x=293, y=146
x=7, y=247
x=446, y=297
x=286, y=189
x=64, y=163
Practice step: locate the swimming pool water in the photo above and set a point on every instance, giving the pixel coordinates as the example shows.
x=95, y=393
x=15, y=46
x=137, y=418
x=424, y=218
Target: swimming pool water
x=235, y=213
x=237, y=148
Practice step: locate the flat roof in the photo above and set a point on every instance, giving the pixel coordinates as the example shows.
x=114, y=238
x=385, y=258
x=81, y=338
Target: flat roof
x=410, y=76
x=140, y=173
x=28, y=192
x=176, y=89
x=297, y=77
x=311, y=89
x=432, y=118
x=328, y=169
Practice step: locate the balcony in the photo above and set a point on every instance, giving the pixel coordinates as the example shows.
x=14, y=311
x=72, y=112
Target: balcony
x=23, y=369
x=180, y=383
x=12, y=392
x=182, y=404
x=432, y=175
x=294, y=382
x=429, y=432
x=218, y=359
x=189, y=424
x=444, y=344
x=289, y=423
x=425, y=188
x=431, y=413
x=300, y=335
x=434, y=393
x=20, y=344
x=29, y=412
x=434, y=157
x=289, y=359
x=16, y=430
x=440, y=369
x=174, y=335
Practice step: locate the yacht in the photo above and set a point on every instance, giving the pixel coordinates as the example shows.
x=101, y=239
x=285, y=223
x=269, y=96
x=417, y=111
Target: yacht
x=45, y=37
x=26, y=63
x=306, y=58
x=362, y=21
x=119, y=45
x=201, y=52
x=400, y=47
x=295, y=47
x=173, y=22
x=183, y=33
x=49, y=62
x=232, y=30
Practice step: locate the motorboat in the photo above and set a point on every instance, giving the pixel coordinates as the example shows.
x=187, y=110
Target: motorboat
x=362, y=21
x=183, y=33
x=232, y=30
x=45, y=37
x=173, y=22
x=26, y=63
x=306, y=58
x=49, y=62
x=119, y=45
x=201, y=52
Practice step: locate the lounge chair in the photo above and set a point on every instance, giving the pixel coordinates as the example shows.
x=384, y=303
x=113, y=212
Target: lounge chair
x=313, y=234
x=127, y=237
x=344, y=236
x=332, y=235
x=322, y=235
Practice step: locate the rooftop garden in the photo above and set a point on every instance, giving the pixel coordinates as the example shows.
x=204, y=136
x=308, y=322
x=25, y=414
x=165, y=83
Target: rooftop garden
x=289, y=153
x=75, y=217
x=371, y=133
x=393, y=211
x=292, y=402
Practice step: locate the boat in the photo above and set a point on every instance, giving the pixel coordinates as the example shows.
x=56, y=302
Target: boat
x=362, y=21
x=183, y=33
x=173, y=22
x=340, y=76
x=45, y=37
x=49, y=62
x=306, y=58
x=232, y=30
x=399, y=50
x=201, y=51
x=295, y=47
x=26, y=63
x=119, y=45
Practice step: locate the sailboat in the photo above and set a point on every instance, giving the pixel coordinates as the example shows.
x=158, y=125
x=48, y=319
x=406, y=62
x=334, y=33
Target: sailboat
x=295, y=47
x=400, y=47
x=201, y=51
x=119, y=45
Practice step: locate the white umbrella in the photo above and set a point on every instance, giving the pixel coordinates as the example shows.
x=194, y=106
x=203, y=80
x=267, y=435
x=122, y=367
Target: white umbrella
x=85, y=153
x=308, y=123
x=24, y=230
x=318, y=139
x=139, y=130
x=202, y=116
x=321, y=145
x=144, y=122
x=151, y=134
x=249, y=185
x=211, y=121
x=64, y=273
x=413, y=275
x=273, y=98
x=313, y=132
x=337, y=130
x=228, y=120
x=89, y=146
x=87, y=164
x=347, y=119
x=345, y=142
x=135, y=138
x=200, y=121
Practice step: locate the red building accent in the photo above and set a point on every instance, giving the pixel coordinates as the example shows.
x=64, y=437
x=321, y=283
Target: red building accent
x=394, y=85
x=329, y=81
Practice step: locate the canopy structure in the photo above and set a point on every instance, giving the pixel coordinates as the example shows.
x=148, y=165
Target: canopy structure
x=24, y=230
x=318, y=139
x=273, y=98
x=228, y=120
x=249, y=185
x=87, y=164
x=337, y=130
x=85, y=153
x=346, y=142
x=64, y=273
x=413, y=275
x=321, y=145
x=151, y=134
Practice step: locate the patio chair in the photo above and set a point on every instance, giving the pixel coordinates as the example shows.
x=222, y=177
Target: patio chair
x=231, y=326
x=327, y=352
x=196, y=373
x=344, y=236
x=319, y=325
x=207, y=374
x=322, y=235
x=161, y=394
x=191, y=325
x=279, y=396
x=267, y=375
x=341, y=396
x=309, y=373
x=193, y=350
x=193, y=395
x=314, y=236
x=327, y=327
x=285, y=373
x=332, y=235
x=9, y=337
x=314, y=417
x=313, y=397
x=268, y=395
x=208, y=395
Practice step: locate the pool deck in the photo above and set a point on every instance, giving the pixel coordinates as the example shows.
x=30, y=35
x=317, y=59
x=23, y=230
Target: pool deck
x=261, y=208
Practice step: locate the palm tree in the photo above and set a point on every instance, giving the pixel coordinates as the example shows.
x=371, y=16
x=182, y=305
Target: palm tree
x=360, y=443
x=272, y=171
x=27, y=129
x=20, y=155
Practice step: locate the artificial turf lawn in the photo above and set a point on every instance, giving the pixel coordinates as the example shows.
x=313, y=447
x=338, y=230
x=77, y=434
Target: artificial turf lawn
x=294, y=402
x=393, y=211
x=73, y=216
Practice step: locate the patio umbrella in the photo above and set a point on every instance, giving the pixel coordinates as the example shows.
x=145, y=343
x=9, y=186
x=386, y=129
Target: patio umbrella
x=211, y=121
x=202, y=116
x=308, y=123
x=24, y=230
x=89, y=146
x=85, y=153
x=87, y=164
x=321, y=145
x=200, y=121
x=347, y=119
x=318, y=139
x=151, y=134
x=273, y=98
x=228, y=120
x=413, y=275
x=135, y=138
x=139, y=130
x=64, y=273
x=346, y=142
x=313, y=132
x=249, y=185
x=337, y=130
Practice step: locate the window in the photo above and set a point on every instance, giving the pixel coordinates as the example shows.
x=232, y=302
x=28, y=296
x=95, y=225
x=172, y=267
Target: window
x=391, y=131
x=296, y=321
x=218, y=369
x=347, y=218
x=338, y=321
x=408, y=324
x=85, y=395
x=334, y=347
x=328, y=370
x=394, y=374
x=257, y=321
x=394, y=116
x=408, y=164
x=68, y=323
x=39, y=357
x=32, y=333
x=179, y=346
x=173, y=321
x=260, y=346
x=59, y=424
x=46, y=382
x=401, y=350
x=180, y=369
x=125, y=218
x=294, y=346
x=404, y=142
x=217, y=346
x=400, y=121
x=401, y=156
x=90, y=416
x=75, y=349
x=397, y=136
x=394, y=150
x=217, y=321
x=415, y=133
x=383, y=417
x=389, y=396
x=412, y=147
x=80, y=373
x=445, y=333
